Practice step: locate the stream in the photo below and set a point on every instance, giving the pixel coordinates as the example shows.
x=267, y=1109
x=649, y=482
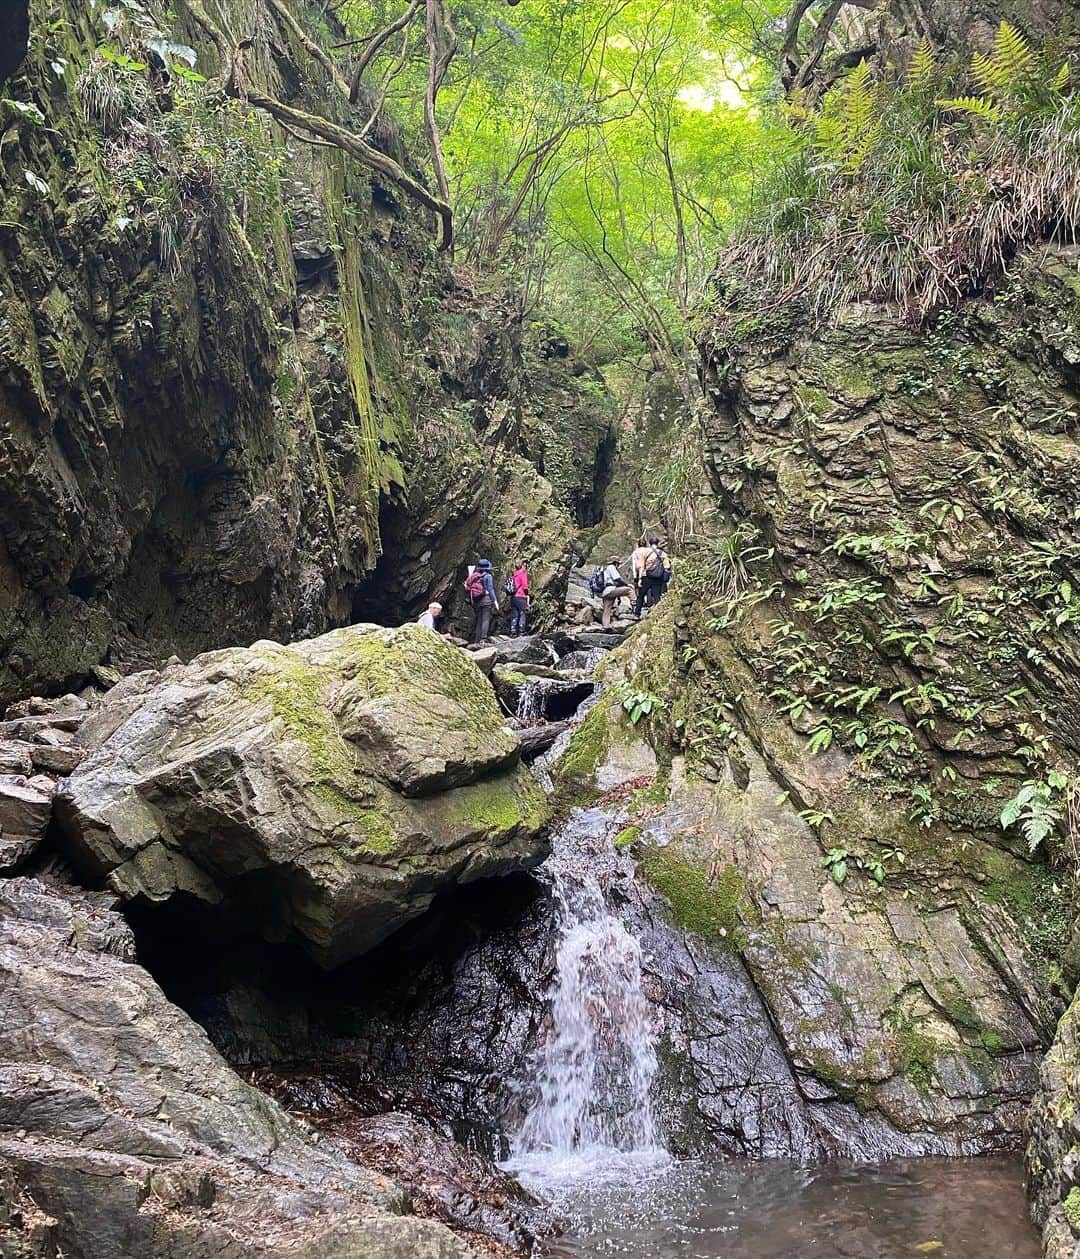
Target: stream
x=774, y=1209
x=590, y=1145
x=624, y=1071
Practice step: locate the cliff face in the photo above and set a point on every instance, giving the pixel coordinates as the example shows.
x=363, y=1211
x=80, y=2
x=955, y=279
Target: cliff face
x=871, y=647
x=224, y=367
x=906, y=549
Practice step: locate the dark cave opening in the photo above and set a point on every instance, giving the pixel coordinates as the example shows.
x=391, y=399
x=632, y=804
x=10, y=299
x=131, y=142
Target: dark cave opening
x=435, y=1022
x=202, y=954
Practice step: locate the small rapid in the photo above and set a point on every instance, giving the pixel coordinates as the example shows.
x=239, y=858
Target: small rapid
x=589, y=1112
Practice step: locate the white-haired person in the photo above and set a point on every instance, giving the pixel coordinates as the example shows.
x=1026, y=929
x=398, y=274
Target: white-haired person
x=430, y=616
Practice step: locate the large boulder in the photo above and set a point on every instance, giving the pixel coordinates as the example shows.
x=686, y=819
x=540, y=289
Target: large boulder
x=331, y=787
x=123, y=1132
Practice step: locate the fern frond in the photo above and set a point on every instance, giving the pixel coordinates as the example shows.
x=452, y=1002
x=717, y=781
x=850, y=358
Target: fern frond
x=1012, y=53
x=1061, y=79
x=922, y=68
x=985, y=75
x=1005, y=71
x=980, y=106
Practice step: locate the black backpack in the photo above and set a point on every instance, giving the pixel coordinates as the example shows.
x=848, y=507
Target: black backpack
x=654, y=565
x=596, y=581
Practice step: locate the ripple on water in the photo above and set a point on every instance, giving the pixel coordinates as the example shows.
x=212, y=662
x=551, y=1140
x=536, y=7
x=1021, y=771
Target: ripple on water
x=942, y=1208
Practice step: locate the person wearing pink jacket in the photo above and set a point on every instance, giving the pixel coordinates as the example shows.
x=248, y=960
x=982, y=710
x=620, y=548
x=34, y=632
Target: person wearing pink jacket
x=519, y=599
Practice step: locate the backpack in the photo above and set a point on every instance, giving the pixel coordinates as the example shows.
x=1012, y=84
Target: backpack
x=474, y=585
x=596, y=581
x=508, y=586
x=655, y=566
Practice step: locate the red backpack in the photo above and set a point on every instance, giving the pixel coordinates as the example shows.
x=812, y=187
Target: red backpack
x=474, y=585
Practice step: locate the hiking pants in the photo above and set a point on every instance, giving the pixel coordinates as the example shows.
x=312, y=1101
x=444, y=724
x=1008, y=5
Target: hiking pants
x=519, y=614
x=648, y=593
x=483, y=611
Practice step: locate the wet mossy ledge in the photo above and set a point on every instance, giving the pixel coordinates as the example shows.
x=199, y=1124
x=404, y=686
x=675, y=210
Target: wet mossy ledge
x=332, y=786
x=704, y=901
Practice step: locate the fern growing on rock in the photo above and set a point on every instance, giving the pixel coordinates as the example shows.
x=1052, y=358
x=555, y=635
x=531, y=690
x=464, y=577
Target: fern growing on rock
x=917, y=190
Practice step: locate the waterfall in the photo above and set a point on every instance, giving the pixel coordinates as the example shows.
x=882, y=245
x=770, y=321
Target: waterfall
x=589, y=1082
x=530, y=707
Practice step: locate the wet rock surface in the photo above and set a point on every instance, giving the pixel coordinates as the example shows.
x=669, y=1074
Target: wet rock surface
x=1053, y=1150
x=286, y=780
x=443, y=1179
x=120, y=1121
x=911, y=1013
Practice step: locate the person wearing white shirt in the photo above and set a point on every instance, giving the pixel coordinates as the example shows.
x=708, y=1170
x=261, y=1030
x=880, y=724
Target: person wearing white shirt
x=428, y=618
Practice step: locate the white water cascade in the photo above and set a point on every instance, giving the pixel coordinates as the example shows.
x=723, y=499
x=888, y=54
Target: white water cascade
x=589, y=1082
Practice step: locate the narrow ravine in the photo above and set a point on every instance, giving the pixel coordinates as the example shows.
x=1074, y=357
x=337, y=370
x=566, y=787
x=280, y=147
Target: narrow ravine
x=704, y=883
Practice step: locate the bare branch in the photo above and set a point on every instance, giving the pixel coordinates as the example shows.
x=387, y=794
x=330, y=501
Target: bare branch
x=239, y=86
x=442, y=44
x=377, y=41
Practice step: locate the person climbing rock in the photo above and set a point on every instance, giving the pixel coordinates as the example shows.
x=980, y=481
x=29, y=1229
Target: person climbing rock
x=480, y=587
x=430, y=616
x=651, y=572
x=615, y=588
x=518, y=590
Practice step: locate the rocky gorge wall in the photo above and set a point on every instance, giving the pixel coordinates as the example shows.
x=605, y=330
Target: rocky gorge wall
x=871, y=651
x=230, y=363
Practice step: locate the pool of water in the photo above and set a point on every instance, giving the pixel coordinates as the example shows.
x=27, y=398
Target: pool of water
x=942, y=1208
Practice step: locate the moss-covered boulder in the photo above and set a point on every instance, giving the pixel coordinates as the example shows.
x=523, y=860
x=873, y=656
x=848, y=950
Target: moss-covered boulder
x=288, y=779
x=421, y=710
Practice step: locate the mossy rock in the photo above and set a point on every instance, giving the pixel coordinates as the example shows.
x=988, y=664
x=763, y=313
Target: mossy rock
x=705, y=902
x=292, y=775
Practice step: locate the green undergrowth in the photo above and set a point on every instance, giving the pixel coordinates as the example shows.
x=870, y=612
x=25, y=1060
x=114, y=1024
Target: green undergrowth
x=960, y=167
x=1071, y=1207
x=628, y=835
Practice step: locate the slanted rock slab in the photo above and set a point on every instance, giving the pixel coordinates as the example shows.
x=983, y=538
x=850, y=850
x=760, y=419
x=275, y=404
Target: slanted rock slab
x=331, y=787
x=121, y=1122
x=25, y=810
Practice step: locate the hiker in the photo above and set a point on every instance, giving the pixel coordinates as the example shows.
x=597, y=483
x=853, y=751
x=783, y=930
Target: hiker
x=517, y=587
x=614, y=589
x=638, y=558
x=430, y=616
x=651, y=575
x=480, y=587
